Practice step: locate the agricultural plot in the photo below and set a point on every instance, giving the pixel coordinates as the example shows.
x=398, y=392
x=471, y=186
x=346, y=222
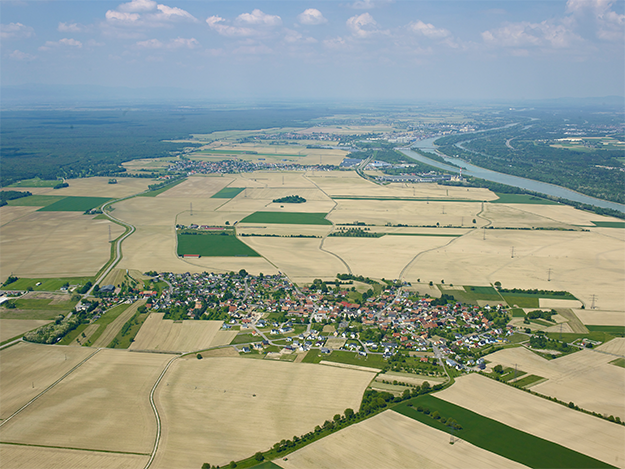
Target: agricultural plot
x=580, y=432
x=10, y=328
x=8, y=213
x=213, y=245
x=55, y=244
x=48, y=284
x=228, y=193
x=582, y=263
x=184, y=336
x=198, y=187
x=494, y=436
x=584, y=377
x=517, y=216
x=233, y=407
x=600, y=317
x=32, y=457
x=119, y=417
x=27, y=369
x=113, y=328
x=287, y=218
x=100, y=187
x=615, y=346
x=392, y=440
x=309, y=263
x=74, y=204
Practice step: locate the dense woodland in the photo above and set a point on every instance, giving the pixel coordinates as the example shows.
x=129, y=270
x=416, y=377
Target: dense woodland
x=69, y=144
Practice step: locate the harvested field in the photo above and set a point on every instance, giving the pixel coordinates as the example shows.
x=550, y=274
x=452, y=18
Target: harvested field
x=308, y=263
x=335, y=343
x=221, y=352
x=27, y=369
x=383, y=257
x=233, y=407
x=549, y=303
x=582, y=263
x=584, y=377
x=392, y=440
x=47, y=244
x=93, y=408
x=615, y=346
x=165, y=334
x=99, y=187
x=33, y=457
x=601, y=317
x=113, y=328
x=10, y=328
x=197, y=187
x=580, y=432
x=348, y=366
x=519, y=216
x=8, y=213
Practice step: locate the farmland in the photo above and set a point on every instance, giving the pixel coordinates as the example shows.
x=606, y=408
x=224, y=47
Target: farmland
x=253, y=404
x=583, y=433
x=180, y=336
x=287, y=218
x=213, y=245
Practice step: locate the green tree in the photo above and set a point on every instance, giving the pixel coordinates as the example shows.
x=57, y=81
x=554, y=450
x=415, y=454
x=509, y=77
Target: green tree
x=498, y=369
x=349, y=413
x=206, y=466
x=232, y=464
x=259, y=456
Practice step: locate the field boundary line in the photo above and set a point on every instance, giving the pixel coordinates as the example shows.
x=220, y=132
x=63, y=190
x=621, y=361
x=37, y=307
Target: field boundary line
x=47, y=389
x=156, y=414
x=73, y=449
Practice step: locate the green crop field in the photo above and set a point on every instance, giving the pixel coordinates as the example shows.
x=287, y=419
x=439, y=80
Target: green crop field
x=36, y=182
x=162, y=189
x=213, y=245
x=616, y=331
x=349, y=358
x=228, y=193
x=44, y=305
x=528, y=380
x=107, y=318
x=483, y=293
x=35, y=200
x=521, y=301
x=521, y=199
x=609, y=224
x=517, y=313
x=74, y=204
x=496, y=437
x=47, y=284
x=288, y=218
x=618, y=362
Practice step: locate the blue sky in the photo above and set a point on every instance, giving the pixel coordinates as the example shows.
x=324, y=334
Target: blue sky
x=365, y=49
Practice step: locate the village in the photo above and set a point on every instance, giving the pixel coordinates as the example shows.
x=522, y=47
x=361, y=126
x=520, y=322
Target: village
x=274, y=314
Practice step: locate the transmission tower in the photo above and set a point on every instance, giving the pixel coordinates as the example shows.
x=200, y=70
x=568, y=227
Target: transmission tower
x=512, y=253
x=191, y=208
x=549, y=275
x=594, y=298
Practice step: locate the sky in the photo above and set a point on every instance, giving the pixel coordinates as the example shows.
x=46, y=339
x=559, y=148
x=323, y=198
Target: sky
x=362, y=49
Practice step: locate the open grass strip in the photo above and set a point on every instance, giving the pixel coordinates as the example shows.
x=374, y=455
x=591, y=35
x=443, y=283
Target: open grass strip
x=618, y=362
x=529, y=380
x=496, y=437
x=609, y=224
x=74, y=204
x=47, y=284
x=228, y=193
x=616, y=331
x=36, y=182
x=35, y=200
x=288, y=218
x=166, y=187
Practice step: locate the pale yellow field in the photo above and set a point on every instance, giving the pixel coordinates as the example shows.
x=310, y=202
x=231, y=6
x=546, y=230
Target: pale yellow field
x=383, y=257
x=146, y=211
x=566, y=214
x=276, y=153
x=583, y=263
x=580, y=432
x=391, y=440
x=99, y=187
x=381, y=212
x=27, y=369
x=55, y=244
x=165, y=334
x=198, y=187
x=14, y=327
x=601, y=317
x=584, y=377
x=299, y=258
x=409, y=378
x=113, y=328
x=615, y=346
x=148, y=163
x=520, y=215
x=32, y=457
x=9, y=213
x=103, y=405
x=549, y=303
x=233, y=407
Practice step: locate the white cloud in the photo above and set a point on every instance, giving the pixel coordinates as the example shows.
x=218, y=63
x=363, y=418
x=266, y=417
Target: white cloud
x=253, y=49
x=362, y=26
x=137, y=6
x=15, y=31
x=145, y=13
x=68, y=42
x=71, y=28
x=311, y=17
x=177, y=43
x=524, y=34
x=605, y=23
x=428, y=30
x=216, y=23
x=246, y=24
x=94, y=43
x=257, y=17
x=368, y=4
x=336, y=43
x=293, y=37
x=21, y=56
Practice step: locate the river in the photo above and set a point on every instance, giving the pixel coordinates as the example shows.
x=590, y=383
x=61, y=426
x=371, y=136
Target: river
x=469, y=169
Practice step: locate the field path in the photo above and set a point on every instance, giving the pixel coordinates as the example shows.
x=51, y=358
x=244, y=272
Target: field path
x=47, y=389
x=113, y=328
